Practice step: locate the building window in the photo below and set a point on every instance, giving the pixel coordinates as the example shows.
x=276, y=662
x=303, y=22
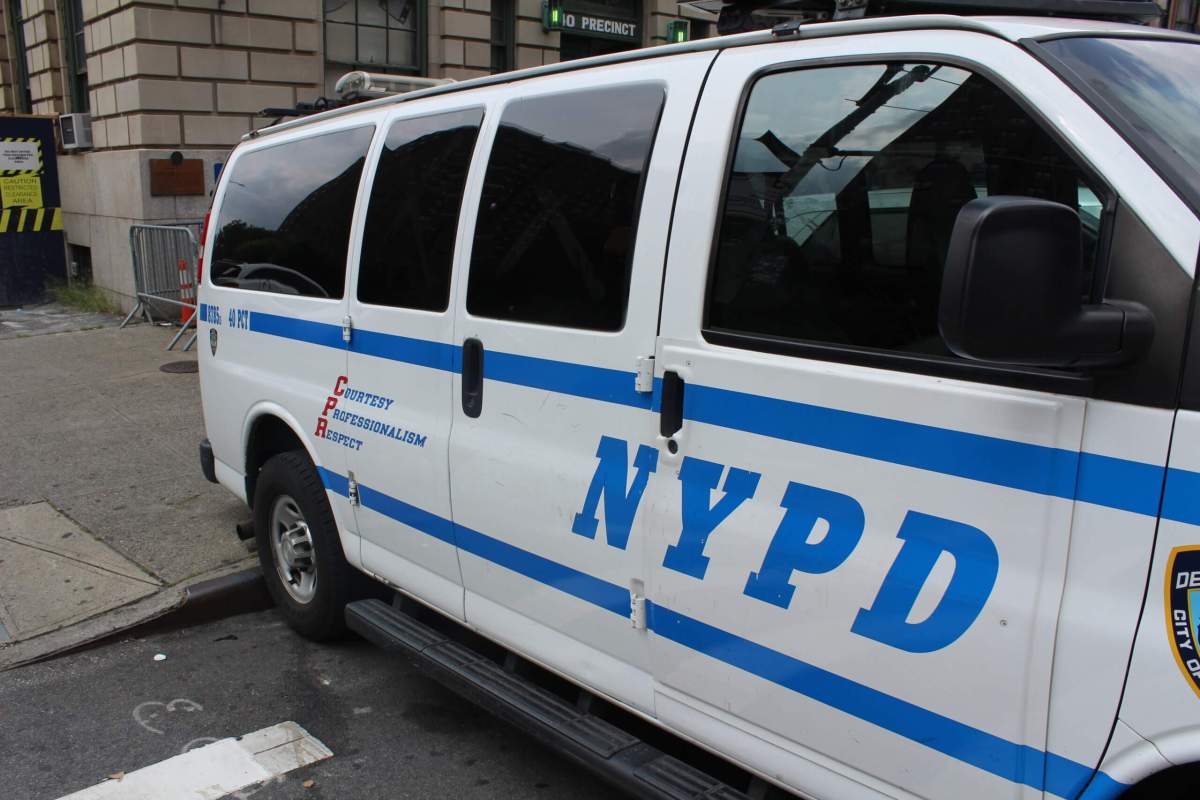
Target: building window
x=504, y=29
x=22, y=97
x=382, y=35
x=76, y=54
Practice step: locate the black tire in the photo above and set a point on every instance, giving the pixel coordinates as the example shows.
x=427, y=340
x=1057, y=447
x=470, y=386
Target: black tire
x=1180, y=782
x=335, y=582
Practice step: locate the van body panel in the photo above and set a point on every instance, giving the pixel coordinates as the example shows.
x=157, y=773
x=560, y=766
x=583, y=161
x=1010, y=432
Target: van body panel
x=256, y=339
x=397, y=397
x=1034, y=566
x=673, y=572
x=1163, y=687
x=521, y=472
x=1105, y=580
x=1129, y=759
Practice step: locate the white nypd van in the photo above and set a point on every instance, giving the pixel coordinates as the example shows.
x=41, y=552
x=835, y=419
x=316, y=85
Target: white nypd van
x=828, y=397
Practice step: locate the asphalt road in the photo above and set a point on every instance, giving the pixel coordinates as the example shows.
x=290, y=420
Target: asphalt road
x=67, y=724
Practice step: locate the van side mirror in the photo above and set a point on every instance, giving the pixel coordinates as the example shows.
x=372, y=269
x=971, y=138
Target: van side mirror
x=1011, y=291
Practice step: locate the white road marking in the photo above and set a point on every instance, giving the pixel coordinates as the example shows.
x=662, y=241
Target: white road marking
x=217, y=769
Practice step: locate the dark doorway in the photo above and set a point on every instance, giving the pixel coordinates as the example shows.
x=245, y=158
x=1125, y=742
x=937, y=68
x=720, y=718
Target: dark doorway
x=31, y=239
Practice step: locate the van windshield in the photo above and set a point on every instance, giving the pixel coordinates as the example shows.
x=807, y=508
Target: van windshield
x=1151, y=91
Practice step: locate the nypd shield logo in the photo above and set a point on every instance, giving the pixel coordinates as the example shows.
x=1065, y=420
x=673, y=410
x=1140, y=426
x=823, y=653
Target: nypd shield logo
x=212, y=340
x=1183, y=610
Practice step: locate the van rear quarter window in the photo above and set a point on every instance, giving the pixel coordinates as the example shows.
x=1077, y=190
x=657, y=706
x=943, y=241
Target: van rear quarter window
x=284, y=222
x=557, y=217
x=412, y=219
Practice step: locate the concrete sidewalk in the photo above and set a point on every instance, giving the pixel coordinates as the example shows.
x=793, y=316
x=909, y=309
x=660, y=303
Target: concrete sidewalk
x=104, y=515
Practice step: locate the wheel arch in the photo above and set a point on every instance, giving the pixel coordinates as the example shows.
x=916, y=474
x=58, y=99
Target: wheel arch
x=268, y=431
x=1175, y=782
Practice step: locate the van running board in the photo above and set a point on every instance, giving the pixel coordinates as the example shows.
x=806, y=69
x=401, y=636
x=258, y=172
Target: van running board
x=617, y=756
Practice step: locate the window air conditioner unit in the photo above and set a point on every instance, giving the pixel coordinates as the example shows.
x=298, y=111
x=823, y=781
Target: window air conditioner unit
x=76, y=130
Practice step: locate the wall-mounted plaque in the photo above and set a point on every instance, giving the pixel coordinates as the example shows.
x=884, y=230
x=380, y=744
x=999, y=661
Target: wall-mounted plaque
x=172, y=179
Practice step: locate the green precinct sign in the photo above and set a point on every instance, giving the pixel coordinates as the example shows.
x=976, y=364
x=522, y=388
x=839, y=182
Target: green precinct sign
x=559, y=16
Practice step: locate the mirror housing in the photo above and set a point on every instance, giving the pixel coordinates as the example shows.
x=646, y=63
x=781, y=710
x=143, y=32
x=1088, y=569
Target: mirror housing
x=1011, y=291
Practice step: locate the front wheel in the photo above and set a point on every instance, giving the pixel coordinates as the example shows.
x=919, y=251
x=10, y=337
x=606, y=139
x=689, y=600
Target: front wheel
x=299, y=548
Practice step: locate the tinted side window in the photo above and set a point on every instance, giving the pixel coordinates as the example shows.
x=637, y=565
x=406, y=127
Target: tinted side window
x=408, y=242
x=554, y=239
x=845, y=186
x=284, y=223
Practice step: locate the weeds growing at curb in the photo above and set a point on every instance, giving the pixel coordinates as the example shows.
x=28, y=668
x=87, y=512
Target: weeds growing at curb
x=82, y=296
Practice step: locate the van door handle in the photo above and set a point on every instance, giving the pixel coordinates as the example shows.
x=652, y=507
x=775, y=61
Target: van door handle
x=670, y=417
x=472, y=377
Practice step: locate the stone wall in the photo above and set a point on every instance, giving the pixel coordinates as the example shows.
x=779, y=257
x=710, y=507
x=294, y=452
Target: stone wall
x=192, y=76
x=460, y=37
x=659, y=13
x=7, y=100
x=107, y=191
x=43, y=55
x=175, y=75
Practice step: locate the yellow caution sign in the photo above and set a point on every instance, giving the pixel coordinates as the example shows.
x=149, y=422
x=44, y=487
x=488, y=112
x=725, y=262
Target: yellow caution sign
x=30, y=220
x=20, y=155
x=21, y=190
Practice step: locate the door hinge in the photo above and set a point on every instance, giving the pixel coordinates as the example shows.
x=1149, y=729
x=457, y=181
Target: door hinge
x=637, y=611
x=644, y=381
x=347, y=327
x=352, y=491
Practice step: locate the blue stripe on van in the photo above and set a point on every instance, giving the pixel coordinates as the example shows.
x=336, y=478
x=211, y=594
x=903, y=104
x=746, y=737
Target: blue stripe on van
x=580, y=380
x=1091, y=478
x=1181, y=500
x=1009, y=760
x=588, y=588
x=1119, y=483
x=1104, y=787
x=1116, y=483
x=301, y=330
x=1034, y=468
x=1018, y=763
x=421, y=352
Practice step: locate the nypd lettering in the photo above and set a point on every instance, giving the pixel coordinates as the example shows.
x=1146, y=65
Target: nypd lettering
x=791, y=552
x=1183, y=610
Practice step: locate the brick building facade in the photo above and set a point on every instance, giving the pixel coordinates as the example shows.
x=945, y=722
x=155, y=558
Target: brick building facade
x=160, y=76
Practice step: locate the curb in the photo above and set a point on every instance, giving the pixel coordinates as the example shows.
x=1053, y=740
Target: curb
x=205, y=601
x=208, y=601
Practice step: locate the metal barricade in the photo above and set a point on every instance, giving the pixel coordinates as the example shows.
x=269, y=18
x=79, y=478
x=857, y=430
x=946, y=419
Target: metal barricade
x=164, y=274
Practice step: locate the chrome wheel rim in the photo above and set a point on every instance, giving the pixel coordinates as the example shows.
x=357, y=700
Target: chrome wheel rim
x=292, y=546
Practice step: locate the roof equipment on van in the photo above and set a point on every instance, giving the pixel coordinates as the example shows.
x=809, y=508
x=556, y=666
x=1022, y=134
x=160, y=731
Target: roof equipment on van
x=302, y=109
x=356, y=87
x=362, y=85
x=736, y=16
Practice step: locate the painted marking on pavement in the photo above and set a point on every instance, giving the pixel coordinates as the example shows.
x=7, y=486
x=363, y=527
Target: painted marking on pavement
x=215, y=770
